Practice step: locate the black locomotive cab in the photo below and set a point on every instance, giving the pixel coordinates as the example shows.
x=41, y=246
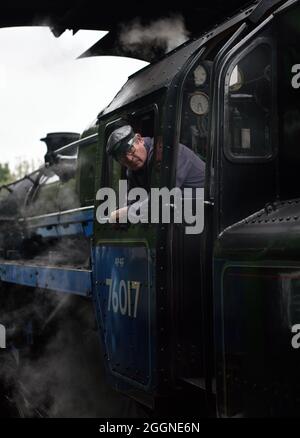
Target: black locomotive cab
x=223, y=97
x=256, y=253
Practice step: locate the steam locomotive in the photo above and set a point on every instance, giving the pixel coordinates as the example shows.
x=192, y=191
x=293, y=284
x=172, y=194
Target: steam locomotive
x=212, y=318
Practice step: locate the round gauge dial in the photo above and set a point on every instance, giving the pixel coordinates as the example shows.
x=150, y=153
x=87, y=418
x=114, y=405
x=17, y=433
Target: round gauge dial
x=199, y=103
x=200, y=75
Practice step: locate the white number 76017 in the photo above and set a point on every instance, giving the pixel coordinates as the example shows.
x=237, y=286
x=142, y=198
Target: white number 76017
x=120, y=297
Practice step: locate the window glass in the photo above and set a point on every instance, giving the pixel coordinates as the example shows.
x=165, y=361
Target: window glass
x=86, y=179
x=249, y=110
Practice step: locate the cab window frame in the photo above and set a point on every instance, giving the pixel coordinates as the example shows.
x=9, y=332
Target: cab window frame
x=108, y=162
x=273, y=126
x=84, y=143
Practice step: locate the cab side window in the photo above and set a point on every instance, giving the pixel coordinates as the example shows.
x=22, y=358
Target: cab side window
x=86, y=173
x=142, y=123
x=248, y=115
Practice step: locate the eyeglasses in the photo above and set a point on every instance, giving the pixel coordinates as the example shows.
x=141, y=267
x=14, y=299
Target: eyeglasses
x=129, y=153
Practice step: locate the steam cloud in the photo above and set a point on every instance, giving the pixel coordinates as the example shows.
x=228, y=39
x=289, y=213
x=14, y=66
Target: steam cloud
x=64, y=376
x=164, y=34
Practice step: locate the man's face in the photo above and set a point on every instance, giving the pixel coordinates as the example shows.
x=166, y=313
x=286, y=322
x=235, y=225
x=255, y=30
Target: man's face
x=136, y=157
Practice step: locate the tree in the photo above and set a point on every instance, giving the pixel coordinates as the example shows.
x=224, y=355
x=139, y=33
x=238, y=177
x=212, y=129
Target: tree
x=6, y=175
x=24, y=167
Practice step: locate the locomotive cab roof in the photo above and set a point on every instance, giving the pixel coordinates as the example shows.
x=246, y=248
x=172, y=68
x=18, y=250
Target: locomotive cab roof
x=159, y=74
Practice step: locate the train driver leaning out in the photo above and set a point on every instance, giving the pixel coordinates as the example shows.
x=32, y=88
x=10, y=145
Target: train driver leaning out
x=135, y=152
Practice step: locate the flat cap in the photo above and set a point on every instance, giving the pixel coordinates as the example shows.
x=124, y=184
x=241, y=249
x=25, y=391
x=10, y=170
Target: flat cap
x=120, y=140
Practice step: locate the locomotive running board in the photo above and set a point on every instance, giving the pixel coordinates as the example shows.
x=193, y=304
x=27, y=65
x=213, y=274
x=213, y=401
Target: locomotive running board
x=67, y=280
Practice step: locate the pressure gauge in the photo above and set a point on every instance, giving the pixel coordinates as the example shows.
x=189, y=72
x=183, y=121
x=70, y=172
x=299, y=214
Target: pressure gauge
x=199, y=103
x=200, y=75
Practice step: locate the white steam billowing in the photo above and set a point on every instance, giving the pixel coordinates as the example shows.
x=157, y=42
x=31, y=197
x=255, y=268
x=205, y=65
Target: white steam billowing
x=62, y=376
x=165, y=34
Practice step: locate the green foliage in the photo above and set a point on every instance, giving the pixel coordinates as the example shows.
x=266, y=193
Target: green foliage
x=23, y=167
x=6, y=175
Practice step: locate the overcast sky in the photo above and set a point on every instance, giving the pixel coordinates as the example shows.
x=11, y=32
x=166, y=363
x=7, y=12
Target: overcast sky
x=43, y=88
